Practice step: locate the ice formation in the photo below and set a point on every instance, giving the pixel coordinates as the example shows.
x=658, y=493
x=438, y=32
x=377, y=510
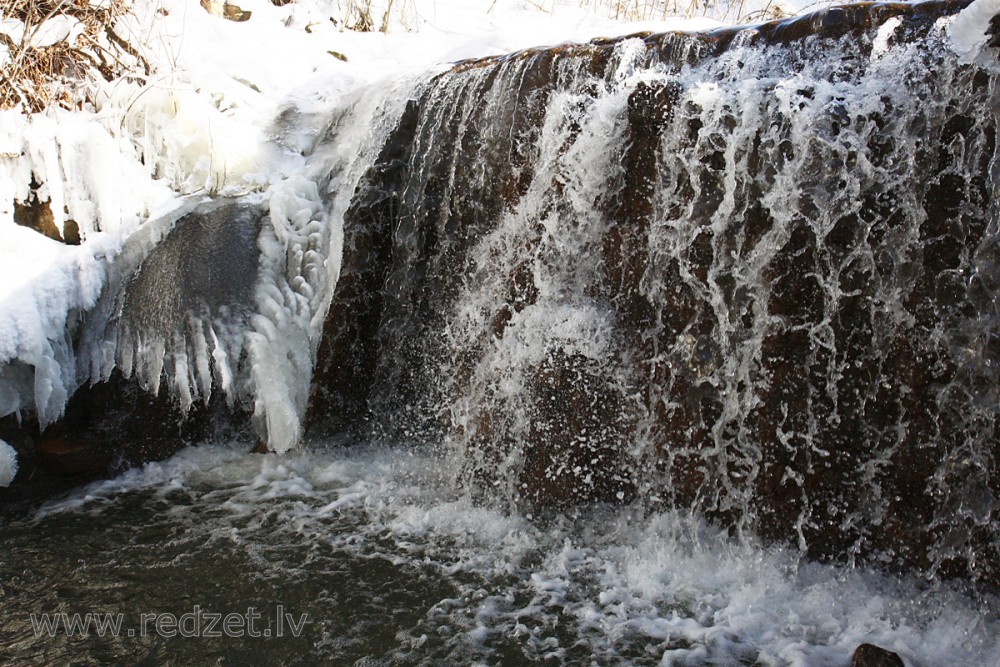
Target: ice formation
x=973, y=29
x=8, y=463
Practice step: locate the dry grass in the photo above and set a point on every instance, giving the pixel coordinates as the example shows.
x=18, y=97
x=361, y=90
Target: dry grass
x=37, y=77
x=361, y=16
x=732, y=10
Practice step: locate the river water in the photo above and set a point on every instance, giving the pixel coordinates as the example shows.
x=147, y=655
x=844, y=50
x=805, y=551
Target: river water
x=374, y=555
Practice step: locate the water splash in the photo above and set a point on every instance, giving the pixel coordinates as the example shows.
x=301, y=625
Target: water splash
x=390, y=563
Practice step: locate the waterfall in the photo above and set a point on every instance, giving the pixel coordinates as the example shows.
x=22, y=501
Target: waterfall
x=750, y=271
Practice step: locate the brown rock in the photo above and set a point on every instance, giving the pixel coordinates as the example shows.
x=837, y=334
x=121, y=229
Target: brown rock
x=869, y=655
x=225, y=10
x=37, y=215
x=573, y=451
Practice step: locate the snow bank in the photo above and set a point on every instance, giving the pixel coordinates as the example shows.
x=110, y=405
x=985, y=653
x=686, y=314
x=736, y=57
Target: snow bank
x=43, y=285
x=85, y=172
x=89, y=176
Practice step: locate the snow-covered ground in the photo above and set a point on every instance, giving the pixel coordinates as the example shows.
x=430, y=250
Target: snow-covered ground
x=213, y=117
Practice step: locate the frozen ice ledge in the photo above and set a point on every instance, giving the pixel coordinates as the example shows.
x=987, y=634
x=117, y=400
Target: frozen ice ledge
x=752, y=271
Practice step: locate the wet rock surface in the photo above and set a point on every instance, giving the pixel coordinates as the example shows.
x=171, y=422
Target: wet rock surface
x=869, y=655
x=206, y=266
x=770, y=274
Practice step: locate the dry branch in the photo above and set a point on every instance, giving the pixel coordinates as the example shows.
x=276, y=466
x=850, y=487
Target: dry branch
x=35, y=76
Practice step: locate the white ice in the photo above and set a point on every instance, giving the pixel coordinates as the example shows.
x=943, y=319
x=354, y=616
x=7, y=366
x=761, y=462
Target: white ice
x=968, y=31
x=8, y=464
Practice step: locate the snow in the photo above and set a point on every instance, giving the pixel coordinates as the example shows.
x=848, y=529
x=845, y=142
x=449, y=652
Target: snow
x=87, y=175
x=8, y=464
x=56, y=29
x=13, y=28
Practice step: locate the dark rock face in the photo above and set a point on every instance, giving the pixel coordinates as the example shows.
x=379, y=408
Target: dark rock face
x=746, y=271
x=349, y=349
x=108, y=428
x=178, y=316
x=869, y=655
x=205, y=267
x=575, y=448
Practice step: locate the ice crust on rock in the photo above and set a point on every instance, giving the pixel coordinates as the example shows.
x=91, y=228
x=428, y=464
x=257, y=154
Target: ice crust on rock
x=969, y=32
x=8, y=464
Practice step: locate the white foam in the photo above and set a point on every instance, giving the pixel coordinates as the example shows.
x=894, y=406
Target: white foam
x=880, y=45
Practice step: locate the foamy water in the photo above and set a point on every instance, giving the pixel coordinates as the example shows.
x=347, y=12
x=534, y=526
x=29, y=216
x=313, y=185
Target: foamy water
x=393, y=563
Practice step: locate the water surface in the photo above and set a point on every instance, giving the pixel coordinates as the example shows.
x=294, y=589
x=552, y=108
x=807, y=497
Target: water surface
x=392, y=563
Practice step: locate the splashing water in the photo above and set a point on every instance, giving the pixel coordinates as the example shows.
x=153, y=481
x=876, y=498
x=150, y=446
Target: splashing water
x=389, y=562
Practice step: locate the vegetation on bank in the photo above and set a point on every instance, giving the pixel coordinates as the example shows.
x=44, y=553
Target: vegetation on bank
x=48, y=48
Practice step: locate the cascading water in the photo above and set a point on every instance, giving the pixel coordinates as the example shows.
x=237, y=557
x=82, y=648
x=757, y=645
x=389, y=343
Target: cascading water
x=730, y=286
x=719, y=271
